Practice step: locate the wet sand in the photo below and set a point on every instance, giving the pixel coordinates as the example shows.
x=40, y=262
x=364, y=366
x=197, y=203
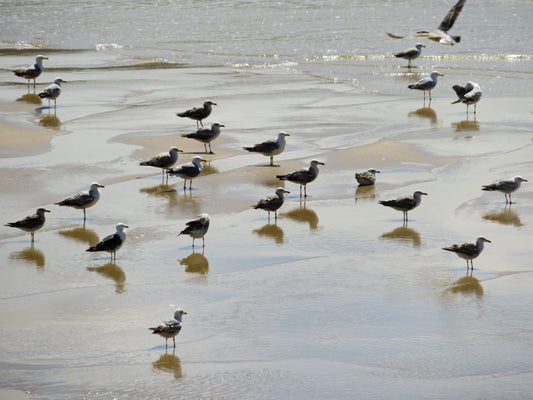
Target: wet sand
x=335, y=300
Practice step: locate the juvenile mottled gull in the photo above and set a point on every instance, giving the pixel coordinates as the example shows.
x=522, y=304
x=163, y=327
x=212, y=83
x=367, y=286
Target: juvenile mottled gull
x=366, y=178
x=405, y=204
x=83, y=200
x=506, y=186
x=303, y=176
x=53, y=91
x=272, y=202
x=31, y=223
x=270, y=148
x=426, y=84
x=441, y=33
x=113, y=242
x=410, y=54
x=32, y=71
x=206, y=135
x=197, y=228
x=198, y=113
x=188, y=171
x=169, y=329
x=468, y=251
x=468, y=94
x=163, y=160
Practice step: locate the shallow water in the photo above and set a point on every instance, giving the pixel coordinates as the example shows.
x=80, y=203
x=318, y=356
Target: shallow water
x=337, y=299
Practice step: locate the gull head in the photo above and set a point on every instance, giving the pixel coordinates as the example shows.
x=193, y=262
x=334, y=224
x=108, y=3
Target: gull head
x=120, y=227
x=519, y=179
x=374, y=171
x=174, y=150
x=41, y=211
x=209, y=103
x=39, y=59
x=95, y=186
x=316, y=163
x=179, y=313
x=59, y=81
x=280, y=191
x=418, y=193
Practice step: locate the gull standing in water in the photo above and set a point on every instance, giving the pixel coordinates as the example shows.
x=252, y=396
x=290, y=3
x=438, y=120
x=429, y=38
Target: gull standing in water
x=506, y=186
x=113, y=242
x=366, y=178
x=169, y=329
x=163, y=160
x=205, y=135
x=31, y=223
x=32, y=71
x=426, y=84
x=188, y=171
x=410, y=54
x=303, y=176
x=270, y=148
x=272, y=202
x=441, y=33
x=197, y=228
x=405, y=204
x=468, y=94
x=468, y=251
x=53, y=91
x=198, y=113
x=83, y=200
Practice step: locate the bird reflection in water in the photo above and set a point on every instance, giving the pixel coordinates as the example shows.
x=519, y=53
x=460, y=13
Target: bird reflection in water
x=115, y=273
x=504, y=216
x=50, y=121
x=467, y=285
x=209, y=169
x=304, y=214
x=365, y=192
x=169, y=363
x=425, y=113
x=30, y=255
x=84, y=235
x=466, y=126
x=196, y=263
x=404, y=234
x=271, y=231
x=30, y=98
x=163, y=191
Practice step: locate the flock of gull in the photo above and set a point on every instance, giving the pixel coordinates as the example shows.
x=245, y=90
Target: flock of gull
x=197, y=228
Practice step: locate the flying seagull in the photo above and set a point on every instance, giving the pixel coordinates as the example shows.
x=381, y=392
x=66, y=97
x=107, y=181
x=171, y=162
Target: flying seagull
x=112, y=243
x=270, y=148
x=405, y=204
x=32, y=71
x=440, y=34
x=197, y=228
x=410, y=54
x=366, y=178
x=468, y=251
x=163, y=160
x=198, y=113
x=169, y=329
x=272, y=202
x=188, y=171
x=31, y=223
x=206, y=135
x=426, y=84
x=506, y=186
x=53, y=91
x=468, y=94
x=303, y=176
x=83, y=200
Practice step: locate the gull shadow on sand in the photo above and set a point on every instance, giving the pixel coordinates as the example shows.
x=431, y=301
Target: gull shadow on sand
x=404, y=234
x=50, y=121
x=29, y=255
x=466, y=126
x=272, y=231
x=30, y=98
x=303, y=214
x=81, y=234
x=467, y=286
x=169, y=363
x=112, y=271
x=425, y=113
x=365, y=192
x=504, y=216
x=195, y=263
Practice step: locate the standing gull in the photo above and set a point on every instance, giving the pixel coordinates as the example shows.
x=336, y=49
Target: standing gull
x=303, y=176
x=468, y=94
x=198, y=113
x=163, y=160
x=169, y=329
x=367, y=178
x=506, y=186
x=83, y=200
x=468, y=251
x=441, y=33
x=188, y=171
x=53, y=91
x=32, y=71
x=410, y=54
x=426, y=84
x=197, y=228
x=270, y=148
x=272, y=202
x=405, y=204
x=206, y=135
x=113, y=242
x=31, y=223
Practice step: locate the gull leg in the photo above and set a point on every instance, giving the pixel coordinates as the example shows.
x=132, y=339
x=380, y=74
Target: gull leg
x=32, y=237
x=84, y=215
x=205, y=147
x=271, y=160
x=203, y=241
x=174, y=340
x=305, y=191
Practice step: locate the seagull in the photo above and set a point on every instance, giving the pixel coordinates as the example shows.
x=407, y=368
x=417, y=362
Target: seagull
x=84, y=199
x=169, y=329
x=367, y=178
x=31, y=223
x=468, y=94
x=32, y=71
x=188, y=171
x=270, y=148
x=53, y=91
x=468, y=251
x=197, y=228
x=272, y=202
x=405, y=204
x=506, y=186
x=206, y=135
x=163, y=160
x=410, y=54
x=426, y=84
x=441, y=33
x=198, y=113
x=113, y=242
x=303, y=176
